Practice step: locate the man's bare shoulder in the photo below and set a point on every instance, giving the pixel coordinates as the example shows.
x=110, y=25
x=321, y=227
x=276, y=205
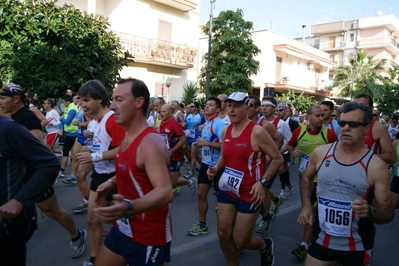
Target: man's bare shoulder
x=379, y=130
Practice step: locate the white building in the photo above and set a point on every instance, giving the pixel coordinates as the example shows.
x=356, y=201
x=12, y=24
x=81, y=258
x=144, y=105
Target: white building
x=162, y=35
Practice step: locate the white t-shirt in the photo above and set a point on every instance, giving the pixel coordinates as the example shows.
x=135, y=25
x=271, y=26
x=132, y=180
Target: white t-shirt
x=54, y=121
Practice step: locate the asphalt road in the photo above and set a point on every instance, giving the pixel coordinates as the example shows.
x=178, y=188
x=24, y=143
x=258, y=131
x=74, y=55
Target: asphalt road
x=50, y=243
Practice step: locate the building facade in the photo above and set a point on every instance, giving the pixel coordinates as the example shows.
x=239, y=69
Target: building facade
x=162, y=35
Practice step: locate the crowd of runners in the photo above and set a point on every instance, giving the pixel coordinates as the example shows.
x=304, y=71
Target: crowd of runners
x=127, y=158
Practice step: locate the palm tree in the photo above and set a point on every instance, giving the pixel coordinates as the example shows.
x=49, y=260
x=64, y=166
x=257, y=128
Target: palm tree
x=362, y=75
x=190, y=92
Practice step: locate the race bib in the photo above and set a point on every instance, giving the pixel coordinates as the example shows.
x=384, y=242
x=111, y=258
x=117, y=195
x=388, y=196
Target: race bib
x=95, y=145
x=165, y=139
x=124, y=227
x=231, y=180
x=190, y=133
x=335, y=216
x=304, y=162
x=206, y=154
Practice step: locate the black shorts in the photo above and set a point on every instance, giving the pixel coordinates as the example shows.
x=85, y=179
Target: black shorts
x=286, y=157
x=68, y=144
x=395, y=184
x=203, y=177
x=98, y=179
x=49, y=192
x=347, y=258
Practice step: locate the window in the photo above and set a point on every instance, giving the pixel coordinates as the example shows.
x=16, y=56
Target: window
x=352, y=37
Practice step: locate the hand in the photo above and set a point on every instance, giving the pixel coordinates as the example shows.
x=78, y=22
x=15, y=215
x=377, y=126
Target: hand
x=11, y=209
x=113, y=212
x=87, y=133
x=83, y=157
x=74, y=122
x=211, y=172
x=102, y=191
x=305, y=217
x=201, y=142
x=296, y=153
x=259, y=193
x=360, y=208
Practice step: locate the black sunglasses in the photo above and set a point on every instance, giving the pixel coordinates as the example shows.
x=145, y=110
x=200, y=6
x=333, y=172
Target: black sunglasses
x=351, y=124
x=251, y=105
x=280, y=110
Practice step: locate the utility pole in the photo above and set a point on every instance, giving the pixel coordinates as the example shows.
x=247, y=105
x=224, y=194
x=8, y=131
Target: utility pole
x=208, y=69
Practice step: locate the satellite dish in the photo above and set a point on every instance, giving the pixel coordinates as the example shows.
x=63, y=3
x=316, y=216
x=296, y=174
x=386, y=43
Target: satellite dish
x=379, y=12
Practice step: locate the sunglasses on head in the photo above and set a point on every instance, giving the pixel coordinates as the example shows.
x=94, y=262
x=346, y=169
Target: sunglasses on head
x=351, y=124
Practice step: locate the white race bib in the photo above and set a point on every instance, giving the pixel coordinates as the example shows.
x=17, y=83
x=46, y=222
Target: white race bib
x=335, y=216
x=190, y=133
x=165, y=139
x=124, y=227
x=231, y=180
x=304, y=162
x=206, y=154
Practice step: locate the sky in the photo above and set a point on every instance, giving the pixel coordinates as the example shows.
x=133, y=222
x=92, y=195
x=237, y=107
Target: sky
x=287, y=16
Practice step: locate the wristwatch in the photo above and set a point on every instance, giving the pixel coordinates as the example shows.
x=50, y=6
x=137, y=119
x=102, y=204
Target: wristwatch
x=371, y=212
x=265, y=183
x=130, y=210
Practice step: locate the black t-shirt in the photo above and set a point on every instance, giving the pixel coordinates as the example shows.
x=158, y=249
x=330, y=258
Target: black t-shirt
x=27, y=118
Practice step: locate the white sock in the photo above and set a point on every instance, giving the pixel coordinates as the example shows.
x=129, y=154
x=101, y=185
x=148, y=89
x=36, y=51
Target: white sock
x=85, y=201
x=306, y=245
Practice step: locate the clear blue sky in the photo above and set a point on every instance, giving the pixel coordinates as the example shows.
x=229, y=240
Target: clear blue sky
x=287, y=16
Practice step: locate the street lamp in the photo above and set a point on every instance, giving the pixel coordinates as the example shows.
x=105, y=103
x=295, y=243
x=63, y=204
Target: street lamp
x=208, y=69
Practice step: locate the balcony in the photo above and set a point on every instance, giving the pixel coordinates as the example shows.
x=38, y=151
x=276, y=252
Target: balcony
x=183, y=5
x=332, y=46
x=158, y=52
x=388, y=43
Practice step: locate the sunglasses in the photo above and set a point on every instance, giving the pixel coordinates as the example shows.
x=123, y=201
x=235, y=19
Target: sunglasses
x=251, y=105
x=280, y=110
x=351, y=124
x=333, y=115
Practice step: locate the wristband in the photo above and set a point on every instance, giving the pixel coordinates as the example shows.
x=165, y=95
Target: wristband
x=371, y=212
x=96, y=156
x=110, y=180
x=129, y=213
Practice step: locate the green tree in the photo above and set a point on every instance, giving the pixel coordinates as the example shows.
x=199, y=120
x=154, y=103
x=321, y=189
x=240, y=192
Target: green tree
x=388, y=104
x=190, y=92
x=299, y=102
x=360, y=76
x=232, y=54
x=53, y=48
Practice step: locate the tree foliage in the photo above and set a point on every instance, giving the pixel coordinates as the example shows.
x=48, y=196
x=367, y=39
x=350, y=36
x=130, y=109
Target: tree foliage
x=300, y=102
x=190, y=92
x=388, y=104
x=360, y=76
x=48, y=48
x=232, y=54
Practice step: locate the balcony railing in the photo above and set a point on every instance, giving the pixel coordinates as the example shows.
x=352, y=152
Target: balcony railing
x=369, y=42
x=331, y=46
x=155, y=51
x=183, y=5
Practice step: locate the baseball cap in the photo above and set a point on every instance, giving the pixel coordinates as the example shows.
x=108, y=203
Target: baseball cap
x=281, y=106
x=239, y=97
x=11, y=89
x=152, y=99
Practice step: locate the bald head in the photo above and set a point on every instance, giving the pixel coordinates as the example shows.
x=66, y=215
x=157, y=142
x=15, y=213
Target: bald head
x=222, y=98
x=166, y=111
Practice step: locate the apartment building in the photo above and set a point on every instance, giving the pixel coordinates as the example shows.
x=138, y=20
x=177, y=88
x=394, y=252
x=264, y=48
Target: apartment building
x=287, y=64
x=378, y=36
x=162, y=35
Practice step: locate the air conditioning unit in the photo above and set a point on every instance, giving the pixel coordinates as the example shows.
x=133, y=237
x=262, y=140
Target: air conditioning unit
x=310, y=65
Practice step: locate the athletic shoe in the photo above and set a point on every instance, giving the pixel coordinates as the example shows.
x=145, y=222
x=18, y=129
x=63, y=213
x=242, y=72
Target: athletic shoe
x=107, y=230
x=188, y=174
x=193, y=186
x=61, y=174
x=176, y=189
x=70, y=180
x=282, y=193
x=81, y=208
x=276, y=206
x=88, y=263
x=300, y=252
x=78, y=246
x=266, y=256
x=198, y=230
x=288, y=190
x=42, y=214
x=265, y=226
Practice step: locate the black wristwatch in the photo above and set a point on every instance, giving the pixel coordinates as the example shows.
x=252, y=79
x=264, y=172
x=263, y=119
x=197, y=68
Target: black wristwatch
x=265, y=183
x=371, y=212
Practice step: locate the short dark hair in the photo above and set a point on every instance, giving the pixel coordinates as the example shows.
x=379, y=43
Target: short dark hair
x=67, y=98
x=181, y=105
x=162, y=100
x=351, y=106
x=196, y=105
x=329, y=104
x=139, y=89
x=256, y=100
x=217, y=101
x=368, y=97
x=50, y=102
x=95, y=90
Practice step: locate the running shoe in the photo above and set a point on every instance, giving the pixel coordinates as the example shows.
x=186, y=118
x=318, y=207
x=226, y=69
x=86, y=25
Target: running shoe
x=42, y=214
x=188, y=174
x=288, y=190
x=88, y=263
x=78, y=246
x=70, y=180
x=198, y=230
x=276, y=206
x=176, y=189
x=282, y=192
x=81, y=208
x=193, y=186
x=300, y=252
x=266, y=256
x=61, y=174
x=265, y=226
